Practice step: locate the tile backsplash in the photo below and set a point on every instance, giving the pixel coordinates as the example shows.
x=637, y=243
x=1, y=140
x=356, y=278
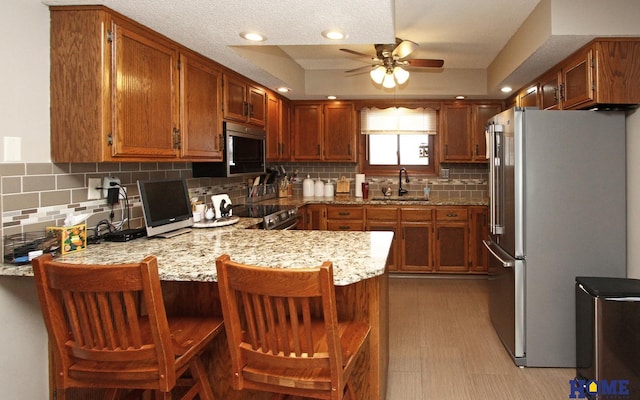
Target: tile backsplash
x=37, y=195
x=465, y=180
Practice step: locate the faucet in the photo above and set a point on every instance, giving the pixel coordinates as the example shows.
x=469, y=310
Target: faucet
x=402, y=191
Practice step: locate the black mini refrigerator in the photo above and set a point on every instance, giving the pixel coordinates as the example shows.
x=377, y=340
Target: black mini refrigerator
x=608, y=330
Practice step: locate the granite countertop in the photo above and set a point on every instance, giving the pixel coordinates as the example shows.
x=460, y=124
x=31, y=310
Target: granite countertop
x=191, y=257
x=409, y=201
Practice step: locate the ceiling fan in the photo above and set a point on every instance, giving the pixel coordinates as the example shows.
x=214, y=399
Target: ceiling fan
x=387, y=68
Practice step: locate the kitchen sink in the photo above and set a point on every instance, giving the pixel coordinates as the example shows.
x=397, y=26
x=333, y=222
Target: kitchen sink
x=399, y=198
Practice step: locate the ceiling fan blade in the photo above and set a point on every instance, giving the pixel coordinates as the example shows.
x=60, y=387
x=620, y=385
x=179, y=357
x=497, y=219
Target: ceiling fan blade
x=357, y=53
x=360, y=69
x=424, y=62
x=403, y=49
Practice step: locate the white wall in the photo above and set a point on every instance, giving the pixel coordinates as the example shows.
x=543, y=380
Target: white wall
x=24, y=98
x=633, y=194
x=24, y=101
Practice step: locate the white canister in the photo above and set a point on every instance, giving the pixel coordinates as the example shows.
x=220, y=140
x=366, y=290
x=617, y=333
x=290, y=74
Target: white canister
x=307, y=187
x=319, y=189
x=328, y=189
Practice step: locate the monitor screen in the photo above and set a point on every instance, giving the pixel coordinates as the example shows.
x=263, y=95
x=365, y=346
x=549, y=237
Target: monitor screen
x=166, y=205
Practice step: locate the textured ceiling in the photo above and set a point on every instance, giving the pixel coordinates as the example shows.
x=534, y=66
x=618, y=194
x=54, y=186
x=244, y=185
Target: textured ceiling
x=468, y=35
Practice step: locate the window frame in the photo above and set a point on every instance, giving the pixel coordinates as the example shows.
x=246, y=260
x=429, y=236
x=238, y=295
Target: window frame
x=392, y=170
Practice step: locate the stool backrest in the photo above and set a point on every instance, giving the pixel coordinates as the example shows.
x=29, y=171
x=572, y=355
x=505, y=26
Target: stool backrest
x=96, y=317
x=269, y=315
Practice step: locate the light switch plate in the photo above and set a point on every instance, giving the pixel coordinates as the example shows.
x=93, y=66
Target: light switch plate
x=93, y=193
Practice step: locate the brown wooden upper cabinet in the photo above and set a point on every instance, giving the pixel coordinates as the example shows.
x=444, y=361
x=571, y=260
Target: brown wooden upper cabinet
x=278, y=129
x=244, y=102
x=201, y=116
x=604, y=72
x=324, y=132
x=463, y=131
x=118, y=94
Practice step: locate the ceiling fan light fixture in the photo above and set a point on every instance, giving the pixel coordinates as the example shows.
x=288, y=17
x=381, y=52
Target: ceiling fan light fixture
x=377, y=74
x=388, y=81
x=401, y=75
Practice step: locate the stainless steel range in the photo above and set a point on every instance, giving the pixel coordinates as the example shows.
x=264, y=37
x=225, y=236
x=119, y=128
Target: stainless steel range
x=274, y=217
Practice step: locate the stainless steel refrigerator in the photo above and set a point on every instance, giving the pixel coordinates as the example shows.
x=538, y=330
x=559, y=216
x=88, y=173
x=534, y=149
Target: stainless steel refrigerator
x=558, y=210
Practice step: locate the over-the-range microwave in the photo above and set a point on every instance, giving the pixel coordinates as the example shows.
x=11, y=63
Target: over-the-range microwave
x=243, y=153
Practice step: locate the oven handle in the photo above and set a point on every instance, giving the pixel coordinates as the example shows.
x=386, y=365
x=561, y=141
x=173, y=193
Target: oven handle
x=289, y=225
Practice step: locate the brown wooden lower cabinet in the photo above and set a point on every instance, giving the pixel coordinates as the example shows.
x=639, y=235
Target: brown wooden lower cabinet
x=428, y=239
x=452, y=239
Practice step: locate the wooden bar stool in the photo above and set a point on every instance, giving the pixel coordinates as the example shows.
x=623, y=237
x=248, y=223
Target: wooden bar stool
x=280, y=342
x=108, y=329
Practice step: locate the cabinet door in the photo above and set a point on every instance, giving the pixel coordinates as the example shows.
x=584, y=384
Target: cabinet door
x=307, y=130
x=577, y=81
x=316, y=217
x=339, y=132
x=80, y=54
x=285, y=130
x=145, y=95
x=273, y=128
x=481, y=114
x=550, y=91
x=456, y=133
x=452, y=240
x=381, y=218
x=452, y=245
x=479, y=228
x=235, y=99
x=529, y=97
x=257, y=108
x=200, y=98
x=387, y=226
x=416, y=252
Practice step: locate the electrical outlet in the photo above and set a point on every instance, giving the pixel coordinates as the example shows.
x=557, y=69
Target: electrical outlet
x=123, y=193
x=93, y=193
x=107, y=183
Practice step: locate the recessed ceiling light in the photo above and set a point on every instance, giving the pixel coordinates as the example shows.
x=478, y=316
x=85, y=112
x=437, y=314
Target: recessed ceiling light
x=331, y=97
x=334, y=34
x=284, y=89
x=459, y=97
x=253, y=36
x=506, y=89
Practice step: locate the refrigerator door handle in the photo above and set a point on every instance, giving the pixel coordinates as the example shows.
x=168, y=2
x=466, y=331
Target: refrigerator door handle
x=506, y=260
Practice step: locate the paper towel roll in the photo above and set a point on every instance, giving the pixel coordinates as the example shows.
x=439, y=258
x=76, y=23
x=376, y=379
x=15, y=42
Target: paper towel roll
x=359, y=180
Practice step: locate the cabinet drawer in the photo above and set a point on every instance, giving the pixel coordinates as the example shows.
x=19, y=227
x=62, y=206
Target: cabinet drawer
x=451, y=214
x=416, y=214
x=347, y=225
x=382, y=214
x=344, y=213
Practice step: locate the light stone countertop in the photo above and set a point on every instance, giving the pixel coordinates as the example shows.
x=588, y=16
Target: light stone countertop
x=191, y=257
x=394, y=200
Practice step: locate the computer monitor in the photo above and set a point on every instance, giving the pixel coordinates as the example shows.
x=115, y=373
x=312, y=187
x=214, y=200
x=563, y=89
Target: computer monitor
x=166, y=206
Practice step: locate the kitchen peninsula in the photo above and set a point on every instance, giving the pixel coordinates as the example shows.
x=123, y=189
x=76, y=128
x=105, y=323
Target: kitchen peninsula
x=187, y=269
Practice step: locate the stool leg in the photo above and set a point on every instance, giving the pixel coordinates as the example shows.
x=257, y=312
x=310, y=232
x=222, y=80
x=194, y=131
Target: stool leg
x=199, y=374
